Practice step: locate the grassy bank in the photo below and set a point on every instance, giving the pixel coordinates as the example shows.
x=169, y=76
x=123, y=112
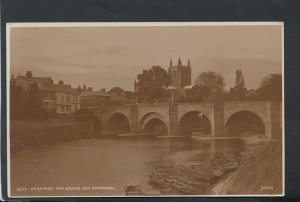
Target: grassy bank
x=260, y=172
x=31, y=133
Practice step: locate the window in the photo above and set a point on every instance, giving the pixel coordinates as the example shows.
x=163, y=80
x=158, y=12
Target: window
x=62, y=99
x=62, y=108
x=68, y=99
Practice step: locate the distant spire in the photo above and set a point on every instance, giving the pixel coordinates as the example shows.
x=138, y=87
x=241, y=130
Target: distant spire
x=189, y=63
x=170, y=62
x=179, y=62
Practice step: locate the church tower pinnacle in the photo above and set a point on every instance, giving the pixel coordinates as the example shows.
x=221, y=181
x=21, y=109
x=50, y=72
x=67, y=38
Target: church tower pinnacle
x=179, y=62
x=170, y=62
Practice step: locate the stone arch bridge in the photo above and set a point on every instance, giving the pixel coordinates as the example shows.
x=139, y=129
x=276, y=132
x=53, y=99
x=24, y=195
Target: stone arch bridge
x=218, y=114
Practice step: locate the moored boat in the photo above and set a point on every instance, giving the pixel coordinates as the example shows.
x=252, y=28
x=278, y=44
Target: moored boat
x=231, y=166
x=134, y=191
x=218, y=171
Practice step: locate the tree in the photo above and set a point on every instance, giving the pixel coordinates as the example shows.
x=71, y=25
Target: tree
x=197, y=93
x=270, y=88
x=17, y=109
x=239, y=79
x=151, y=84
x=32, y=102
x=129, y=95
x=238, y=91
x=212, y=83
x=116, y=91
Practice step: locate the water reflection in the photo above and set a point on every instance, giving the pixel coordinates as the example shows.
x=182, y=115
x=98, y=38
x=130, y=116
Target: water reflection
x=116, y=162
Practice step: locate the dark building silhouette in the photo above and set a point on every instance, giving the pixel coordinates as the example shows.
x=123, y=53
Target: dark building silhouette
x=181, y=75
x=54, y=98
x=45, y=87
x=181, y=78
x=101, y=99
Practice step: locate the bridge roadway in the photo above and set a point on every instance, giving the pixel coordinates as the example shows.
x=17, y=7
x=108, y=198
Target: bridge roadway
x=218, y=114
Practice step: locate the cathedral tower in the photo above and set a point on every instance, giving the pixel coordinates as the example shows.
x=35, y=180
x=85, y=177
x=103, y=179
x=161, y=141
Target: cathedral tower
x=181, y=75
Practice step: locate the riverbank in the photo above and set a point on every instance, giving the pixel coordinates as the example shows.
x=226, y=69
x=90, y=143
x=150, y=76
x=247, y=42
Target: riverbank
x=25, y=134
x=259, y=173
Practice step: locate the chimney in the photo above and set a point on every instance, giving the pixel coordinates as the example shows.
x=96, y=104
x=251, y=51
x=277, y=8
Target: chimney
x=29, y=74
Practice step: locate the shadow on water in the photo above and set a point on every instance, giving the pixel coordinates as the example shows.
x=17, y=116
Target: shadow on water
x=211, y=146
x=230, y=145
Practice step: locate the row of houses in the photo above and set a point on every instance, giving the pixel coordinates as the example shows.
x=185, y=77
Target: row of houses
x=61, y=98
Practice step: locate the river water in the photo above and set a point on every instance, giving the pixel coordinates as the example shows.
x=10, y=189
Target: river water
x=103, y=166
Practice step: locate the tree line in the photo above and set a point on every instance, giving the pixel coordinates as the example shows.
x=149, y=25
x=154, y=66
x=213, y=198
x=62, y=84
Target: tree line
x=209, y=86
x=152, y=86
x=25, y=103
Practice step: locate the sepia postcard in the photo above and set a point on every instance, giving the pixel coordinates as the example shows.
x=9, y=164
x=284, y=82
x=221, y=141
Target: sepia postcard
x=145, y=109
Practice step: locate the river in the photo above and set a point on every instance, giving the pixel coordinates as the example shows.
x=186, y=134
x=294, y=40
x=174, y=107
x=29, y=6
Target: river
x=103, y=166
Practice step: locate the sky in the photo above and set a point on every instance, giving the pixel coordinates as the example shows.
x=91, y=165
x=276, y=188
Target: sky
x=105, y=57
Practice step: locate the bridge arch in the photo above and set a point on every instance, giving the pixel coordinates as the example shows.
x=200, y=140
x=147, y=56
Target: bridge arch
x=152, y=118
x=194, y=121
x=206, y=108
x=245, y=122
x=118, y=122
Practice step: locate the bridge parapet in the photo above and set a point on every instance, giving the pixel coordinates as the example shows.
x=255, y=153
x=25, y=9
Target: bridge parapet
x=122, y=108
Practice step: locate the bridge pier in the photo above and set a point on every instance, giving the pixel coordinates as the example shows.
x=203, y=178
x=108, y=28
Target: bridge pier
x=273, y=122
x=134, y=119
x=276, y=124
x=217, y=128
x=173, y=119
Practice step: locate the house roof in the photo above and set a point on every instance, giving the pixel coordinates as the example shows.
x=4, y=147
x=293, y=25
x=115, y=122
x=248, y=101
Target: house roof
x=44, y=83
x=94, y=93
x=61, y=88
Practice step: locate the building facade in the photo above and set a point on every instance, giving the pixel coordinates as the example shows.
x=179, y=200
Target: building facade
x=94, y=99
x=67, y=98
x=45, y=87
x=54, y=98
